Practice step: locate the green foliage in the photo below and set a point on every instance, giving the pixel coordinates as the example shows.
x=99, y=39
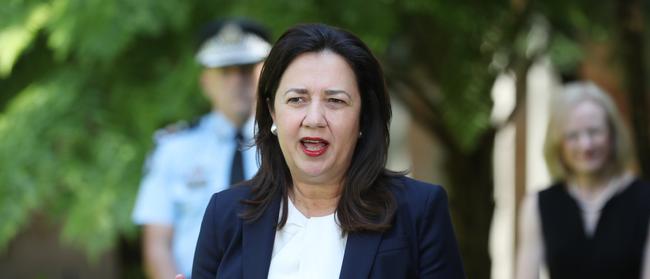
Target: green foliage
x=100, y=29
x=86, y=82
x=454, y=43
x=74, y=137
x=19, y=28
x=565, y=54
x=28, y=164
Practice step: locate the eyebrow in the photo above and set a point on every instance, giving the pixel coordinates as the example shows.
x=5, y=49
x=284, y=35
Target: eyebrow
x=328, y=92
x=335, y=91
x=296, y=90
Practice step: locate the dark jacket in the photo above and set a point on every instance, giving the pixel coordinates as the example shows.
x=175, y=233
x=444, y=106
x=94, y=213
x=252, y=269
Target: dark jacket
x=420, y=244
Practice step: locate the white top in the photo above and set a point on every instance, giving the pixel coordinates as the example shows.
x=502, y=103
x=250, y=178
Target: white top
x=308, y=247
x=530, y=257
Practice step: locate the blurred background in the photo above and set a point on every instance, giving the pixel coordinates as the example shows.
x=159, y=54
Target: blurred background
x=85, y=83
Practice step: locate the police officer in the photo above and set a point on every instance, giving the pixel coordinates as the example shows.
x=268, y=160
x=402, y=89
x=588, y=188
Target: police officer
x=189, y=164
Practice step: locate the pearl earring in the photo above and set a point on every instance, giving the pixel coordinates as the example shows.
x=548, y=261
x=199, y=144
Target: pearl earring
x=274, y=129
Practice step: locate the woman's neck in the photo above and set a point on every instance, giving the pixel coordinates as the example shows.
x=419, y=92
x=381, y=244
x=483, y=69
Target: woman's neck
x=589, y=181
x=589, y=186
x=315, y=200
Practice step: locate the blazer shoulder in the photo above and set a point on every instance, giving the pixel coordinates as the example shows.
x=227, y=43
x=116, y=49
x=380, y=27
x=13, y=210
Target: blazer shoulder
x=226, y=205
x=418, y=198
x=406, y=188
x=235, y=193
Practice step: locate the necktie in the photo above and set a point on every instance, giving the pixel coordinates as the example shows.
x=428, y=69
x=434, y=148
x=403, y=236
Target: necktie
x=237, y=167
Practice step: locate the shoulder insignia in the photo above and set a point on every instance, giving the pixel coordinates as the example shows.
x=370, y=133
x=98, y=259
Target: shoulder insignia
x=175, y=128
x=171, y=129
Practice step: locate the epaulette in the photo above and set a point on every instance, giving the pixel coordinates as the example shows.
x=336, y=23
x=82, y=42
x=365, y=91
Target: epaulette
x=174, y=129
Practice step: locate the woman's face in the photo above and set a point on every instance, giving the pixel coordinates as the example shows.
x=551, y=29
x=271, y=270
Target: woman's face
x=316, y=109
x=587, y=145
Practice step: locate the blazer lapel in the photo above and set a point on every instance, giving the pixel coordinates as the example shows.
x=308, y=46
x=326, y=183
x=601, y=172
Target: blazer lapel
x=258, y=238
x=359, y=255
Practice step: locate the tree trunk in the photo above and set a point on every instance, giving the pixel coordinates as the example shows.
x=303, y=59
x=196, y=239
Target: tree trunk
x=472, y=204
x=631, y=25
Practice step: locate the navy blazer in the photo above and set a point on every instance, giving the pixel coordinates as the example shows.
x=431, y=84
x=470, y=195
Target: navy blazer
x=420, y=244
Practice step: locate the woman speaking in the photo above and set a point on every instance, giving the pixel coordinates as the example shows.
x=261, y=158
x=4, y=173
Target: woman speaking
x=323, y=204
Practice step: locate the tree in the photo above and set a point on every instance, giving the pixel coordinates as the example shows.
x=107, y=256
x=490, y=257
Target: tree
x=86, y=83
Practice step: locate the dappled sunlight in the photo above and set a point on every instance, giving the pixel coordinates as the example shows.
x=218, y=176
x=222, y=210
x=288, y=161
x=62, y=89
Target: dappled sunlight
x=16, y=38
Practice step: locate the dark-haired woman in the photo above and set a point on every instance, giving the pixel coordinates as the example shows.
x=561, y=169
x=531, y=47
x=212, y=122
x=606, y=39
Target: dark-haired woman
x=323, y=204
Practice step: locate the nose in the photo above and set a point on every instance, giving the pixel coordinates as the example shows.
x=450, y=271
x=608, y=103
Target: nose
x=585, y=141
x=243, y=79
x=244, y=74
x=314, y=116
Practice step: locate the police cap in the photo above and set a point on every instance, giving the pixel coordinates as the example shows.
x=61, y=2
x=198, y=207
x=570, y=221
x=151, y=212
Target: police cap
x=232, y=42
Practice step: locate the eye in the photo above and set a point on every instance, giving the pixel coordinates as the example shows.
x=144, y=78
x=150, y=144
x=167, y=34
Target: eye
x=336, y=101
x=295, y=100
x=571, y=136
x=595, y=131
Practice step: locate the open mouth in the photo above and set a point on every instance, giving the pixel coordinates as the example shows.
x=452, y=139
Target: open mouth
x=314, y=147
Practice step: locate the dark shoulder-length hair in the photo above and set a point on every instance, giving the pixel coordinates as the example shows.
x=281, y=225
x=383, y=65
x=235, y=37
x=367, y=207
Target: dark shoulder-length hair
x=366, y=203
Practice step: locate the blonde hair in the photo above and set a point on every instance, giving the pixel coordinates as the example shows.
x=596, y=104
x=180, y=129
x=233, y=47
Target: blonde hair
x=562, y=103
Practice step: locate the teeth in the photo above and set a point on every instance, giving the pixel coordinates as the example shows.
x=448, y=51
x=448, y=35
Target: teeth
x=314, y=148
x=314, y=145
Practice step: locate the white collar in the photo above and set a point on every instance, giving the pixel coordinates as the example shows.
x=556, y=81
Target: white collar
x=297, y=220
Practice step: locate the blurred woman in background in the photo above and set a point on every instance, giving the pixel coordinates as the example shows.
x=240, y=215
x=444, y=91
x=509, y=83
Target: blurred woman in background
x=593, y=221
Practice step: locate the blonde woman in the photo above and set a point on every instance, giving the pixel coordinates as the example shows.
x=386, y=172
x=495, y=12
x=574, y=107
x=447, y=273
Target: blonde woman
x=593, y=221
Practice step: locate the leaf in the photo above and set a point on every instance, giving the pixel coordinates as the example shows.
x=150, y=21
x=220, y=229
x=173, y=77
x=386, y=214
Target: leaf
x=15, y=38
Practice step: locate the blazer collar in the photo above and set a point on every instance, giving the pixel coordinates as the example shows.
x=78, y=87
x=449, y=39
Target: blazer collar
x=258, y=238
x=359, y=255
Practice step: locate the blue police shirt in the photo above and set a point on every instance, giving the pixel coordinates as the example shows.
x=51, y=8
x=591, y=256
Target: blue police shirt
x=185, y=169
